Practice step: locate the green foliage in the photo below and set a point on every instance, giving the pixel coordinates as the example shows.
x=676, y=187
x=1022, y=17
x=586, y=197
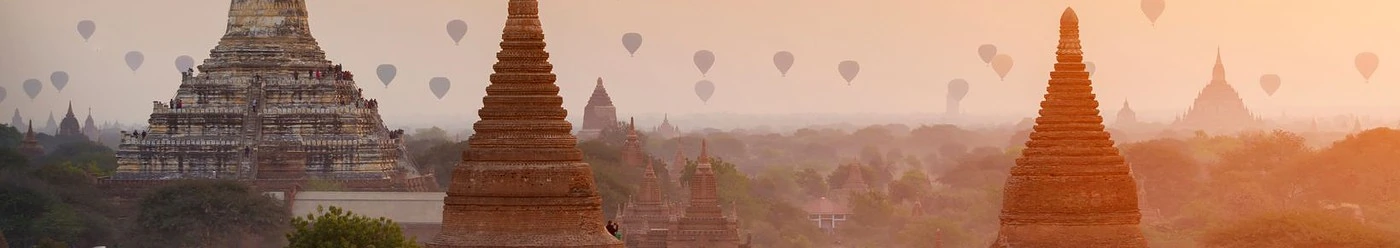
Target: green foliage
x=206, y=214
x=910, y=186
x=10, y=137
x=812, y=183
x=55, y=204
x=441, y=159
x=339, y=228
x=90, y=157
x=1299, y=229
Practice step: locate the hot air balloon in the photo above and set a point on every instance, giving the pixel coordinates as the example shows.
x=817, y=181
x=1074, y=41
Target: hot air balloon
x=134, y=60
x=957, y=89
x=783, y=60
x=32, y=88
x=59, y=79
x=704, y=59
x=86, y=28
x=456, y=29
x=1089, y=66
x=1366, y=63
x=439, y=86
x=849, y=69
x=3, y=94
x=704, y=89
x=986, y=52
x=184, y=63
x=632, y=41
x=1270, y=83
x=386, y=74
x=1002, y=64
x=1153, y=9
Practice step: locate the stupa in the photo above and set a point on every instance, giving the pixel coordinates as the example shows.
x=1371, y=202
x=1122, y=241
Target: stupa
x=1218, y=108
x=267, y=107
x=666, y=130
x=52, y=127
x=704, y=224
x=30, y=147
x=632, y=154
x=645, y=211
x=1126, y=115
x=599, y=114
x=1070, y=187
x=523, y=182
x=17, y=121
x=90, y=127
x=69, y=126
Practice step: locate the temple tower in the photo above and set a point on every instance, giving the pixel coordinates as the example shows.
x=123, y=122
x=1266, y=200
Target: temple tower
x=30, y=146
x=704, y=224
x=855, y=183
x=267, y=107
x=1218, y=108
x=90, y=127
x=677, y=165
x=666, y=130
x=1070, y=187
x=17, y=121
x=647, y=210
x=1126, y=115
x=52, y=127
x=599, y=114
x=69, y=126
x=523, y=183
x=632, y=154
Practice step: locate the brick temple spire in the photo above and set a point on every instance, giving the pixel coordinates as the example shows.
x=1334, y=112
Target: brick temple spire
x=598, y=114
x=632, y=154
x=264, y=35
x=704, y=202
x=523, y=182
x=1070, y=187
x=704, y=223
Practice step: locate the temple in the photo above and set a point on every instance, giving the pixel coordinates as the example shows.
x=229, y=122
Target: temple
x=52, y=127
x=666, y=130
x=267, y=107
x=703, y=224
x=69, y=126
x=599, y=114
x=1218, y=108
x=1126, y=116
x=1070, y=187
x=17, y=120
x=645, y=211
x=523, y=183
x=677, y=165
x=632, y=154
x=30, y=147
x=90, y=127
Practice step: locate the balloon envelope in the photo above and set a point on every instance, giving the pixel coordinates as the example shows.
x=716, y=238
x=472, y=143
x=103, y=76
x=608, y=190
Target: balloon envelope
x=986, y=52
x=1089, y=66
x=184, y=63
x=439, y=86
x=704, y=89
x=3, y=94
x=783, y=60
x=134, y=60
x=704, y=59
x=632, y=41
x=1366, y=63
x=1153, y=9
x=1270, y=83
x=1002, y=64
x=957, y=89
x=849, y=69
x=457, y=29
x=86, y=28
x=59, y=79
x=387, y=72
x=32, y=88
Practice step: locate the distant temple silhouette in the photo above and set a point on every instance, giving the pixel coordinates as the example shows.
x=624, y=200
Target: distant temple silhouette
x=1218, y=108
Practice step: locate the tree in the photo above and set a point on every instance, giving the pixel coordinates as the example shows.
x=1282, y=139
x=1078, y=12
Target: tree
x=340, y=228
x=812, y=182
x=206, y=214
x=1299, y=228
x=910, y=186
x=1165, y=170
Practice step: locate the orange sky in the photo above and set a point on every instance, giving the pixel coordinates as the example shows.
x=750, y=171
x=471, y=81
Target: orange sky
x=908, y=51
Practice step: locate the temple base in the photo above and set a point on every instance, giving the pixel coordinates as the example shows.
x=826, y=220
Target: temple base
x=1056, y=236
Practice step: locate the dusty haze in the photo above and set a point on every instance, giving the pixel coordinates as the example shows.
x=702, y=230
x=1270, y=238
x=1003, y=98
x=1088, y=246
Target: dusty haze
x=908, y=51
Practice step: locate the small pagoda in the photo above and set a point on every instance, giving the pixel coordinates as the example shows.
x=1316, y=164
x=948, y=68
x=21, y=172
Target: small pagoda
x=599, y=114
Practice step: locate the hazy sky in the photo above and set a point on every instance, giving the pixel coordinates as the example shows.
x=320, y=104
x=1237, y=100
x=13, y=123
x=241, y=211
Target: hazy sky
x=908, y=51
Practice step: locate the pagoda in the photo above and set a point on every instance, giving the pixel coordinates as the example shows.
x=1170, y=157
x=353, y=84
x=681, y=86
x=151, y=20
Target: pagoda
x=52, y=127
x=599, y=114
x=90, y=127
x=1218, y=108
x=523, y=182
x=69, y=126
x=704, y=224
x=632, y=154
x=30, y=147
x=269, y=108
x=855, y=183
x=666, y=130
x=1126, y=115
x=645, y=211
x=17, y=120
x=1070, y=187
